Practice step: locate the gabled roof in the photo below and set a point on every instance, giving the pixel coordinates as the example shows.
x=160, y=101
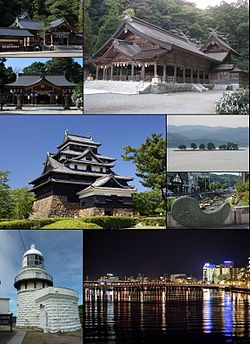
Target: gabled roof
x=5, y=31
x=215, y=38
x=163, y=38
x=101, y=182
x=57, y=23
x=26, y=80
x=52, y=165
x=28, y=24
x=228, y=67
x=96, y=156
x=218, y=56
x=78, y=139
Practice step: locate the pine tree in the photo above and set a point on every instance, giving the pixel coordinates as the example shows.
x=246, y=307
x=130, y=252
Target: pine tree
x=87, y=31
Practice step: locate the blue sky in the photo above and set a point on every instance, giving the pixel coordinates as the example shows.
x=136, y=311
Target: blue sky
x=18, y=64
x=25, y=140
x=63, y=255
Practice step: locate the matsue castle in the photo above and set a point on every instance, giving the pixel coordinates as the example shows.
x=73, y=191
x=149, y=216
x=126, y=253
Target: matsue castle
x=140, y=51
x=40, y=304
x=78, y=181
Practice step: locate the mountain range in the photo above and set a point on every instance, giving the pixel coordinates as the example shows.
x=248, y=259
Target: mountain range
x=187, y=134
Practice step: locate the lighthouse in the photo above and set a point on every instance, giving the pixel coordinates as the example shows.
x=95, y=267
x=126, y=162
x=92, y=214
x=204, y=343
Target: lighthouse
x=40, y=304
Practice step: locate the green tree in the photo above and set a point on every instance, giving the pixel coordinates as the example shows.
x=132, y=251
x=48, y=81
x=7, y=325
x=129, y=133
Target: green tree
x=111, y=23
x=34, y=68
x=21, y=203
x=88, y=34
x=193, y=146
x=77, y=96
x=70, y=68
x=182, y=147
x=150, y=159
x=210, y=146
x=5, y=197
x=6, y=76
x=147, y=203
x=202, y=146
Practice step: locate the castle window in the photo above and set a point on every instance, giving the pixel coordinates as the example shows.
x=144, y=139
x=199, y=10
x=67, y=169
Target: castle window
x=101, y=169
x=35, y=284
x=75, y=167
x=25, y=285
x=88, y=157
x=89, y=168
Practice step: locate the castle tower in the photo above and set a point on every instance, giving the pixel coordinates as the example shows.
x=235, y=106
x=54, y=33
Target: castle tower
x=32, y=277
x=40, y=305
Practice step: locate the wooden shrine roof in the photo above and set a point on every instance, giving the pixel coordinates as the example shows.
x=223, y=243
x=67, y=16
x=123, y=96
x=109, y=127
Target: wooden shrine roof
x=163, y=38
x=6, y=31
x=26, y=80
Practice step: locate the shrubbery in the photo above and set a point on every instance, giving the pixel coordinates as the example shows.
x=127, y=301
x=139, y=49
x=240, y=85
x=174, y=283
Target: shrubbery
x=236, y=103
x=152, y=221
x=111, y=222
x=72, y=224
x=170, y=201
x=27, y=223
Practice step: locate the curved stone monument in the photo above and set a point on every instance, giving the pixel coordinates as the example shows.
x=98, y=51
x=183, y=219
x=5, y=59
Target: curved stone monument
x=186, y=211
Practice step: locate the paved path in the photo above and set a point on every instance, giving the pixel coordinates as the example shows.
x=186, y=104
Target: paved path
x=39, y=54
x=40, y=111
x=171, y=103
x=18, y=338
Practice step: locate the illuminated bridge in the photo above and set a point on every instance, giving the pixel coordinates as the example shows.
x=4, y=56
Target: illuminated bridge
x=155, y=285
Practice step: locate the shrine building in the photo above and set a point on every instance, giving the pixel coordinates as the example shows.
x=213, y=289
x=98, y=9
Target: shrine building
x=140, y=51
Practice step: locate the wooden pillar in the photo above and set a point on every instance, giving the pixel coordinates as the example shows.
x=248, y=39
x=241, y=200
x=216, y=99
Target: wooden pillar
x=198, y=76
x=66, y=102
x=143, y=72
x=103, y=73
x=155, y=69
x=175, y=73
x=133, y=71
x=19, y=103
x=204, y=77
x=164, y=73
x=184, y=75
x=192, y=75
x=97, y=73
x=51, y=39
x=111, y=72
x=121, y=72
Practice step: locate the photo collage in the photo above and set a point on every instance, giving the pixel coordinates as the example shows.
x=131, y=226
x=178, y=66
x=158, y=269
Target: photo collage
x=124, y=172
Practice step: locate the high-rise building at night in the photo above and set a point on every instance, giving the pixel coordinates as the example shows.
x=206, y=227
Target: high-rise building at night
x=217, y=273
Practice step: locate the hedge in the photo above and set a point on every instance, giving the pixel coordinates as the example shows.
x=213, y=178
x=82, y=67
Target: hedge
x=27, y=223
x=111, y=222
x=72, y=224
x=170, y=201
x=153, y=221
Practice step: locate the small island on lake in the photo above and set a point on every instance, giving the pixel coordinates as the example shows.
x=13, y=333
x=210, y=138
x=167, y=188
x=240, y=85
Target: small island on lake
x=209, y=147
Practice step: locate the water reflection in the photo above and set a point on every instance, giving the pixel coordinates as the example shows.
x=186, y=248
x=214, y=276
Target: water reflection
x=131, y=315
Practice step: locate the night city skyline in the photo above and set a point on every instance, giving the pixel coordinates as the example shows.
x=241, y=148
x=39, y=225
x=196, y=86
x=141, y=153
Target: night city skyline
x=154, y=254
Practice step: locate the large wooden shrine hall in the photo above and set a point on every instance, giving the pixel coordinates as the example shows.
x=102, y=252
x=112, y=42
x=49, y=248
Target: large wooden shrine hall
x=43, y=89
x=139, y=50
x=78, y=181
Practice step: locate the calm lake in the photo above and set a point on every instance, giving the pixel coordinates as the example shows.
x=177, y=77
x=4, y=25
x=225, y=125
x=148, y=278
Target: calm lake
x=167, y=316
x=224, y=161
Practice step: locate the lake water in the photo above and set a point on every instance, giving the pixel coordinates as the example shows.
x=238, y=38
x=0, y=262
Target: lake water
x=224, y=161
x=167, y=316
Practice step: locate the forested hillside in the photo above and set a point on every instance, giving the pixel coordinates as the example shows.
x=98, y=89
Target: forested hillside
x=102, y=17
x=46, y=10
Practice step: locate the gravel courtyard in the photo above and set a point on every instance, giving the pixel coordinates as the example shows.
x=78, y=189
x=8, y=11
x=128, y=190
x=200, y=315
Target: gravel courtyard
x=171, y=103
x=50, y=110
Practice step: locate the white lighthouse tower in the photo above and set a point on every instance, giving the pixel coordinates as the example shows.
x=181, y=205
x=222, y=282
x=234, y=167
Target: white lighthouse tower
x=40, y=305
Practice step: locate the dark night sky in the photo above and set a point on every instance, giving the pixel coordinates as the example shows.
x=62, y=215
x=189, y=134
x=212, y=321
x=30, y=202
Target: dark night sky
x=153, y=253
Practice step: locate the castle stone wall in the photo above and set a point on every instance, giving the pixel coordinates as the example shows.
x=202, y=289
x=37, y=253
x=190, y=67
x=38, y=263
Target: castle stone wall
x=101, y=212
x=54, y=206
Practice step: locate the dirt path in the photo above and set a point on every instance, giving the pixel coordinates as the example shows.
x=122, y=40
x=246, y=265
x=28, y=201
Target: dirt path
x=34, y=337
